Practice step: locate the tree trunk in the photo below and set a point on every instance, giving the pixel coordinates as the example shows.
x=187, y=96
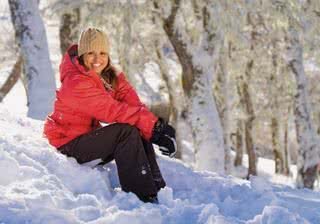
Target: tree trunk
x=278, y=157
x=308, y=151
x=224, y=105
x=31, y=37
x=12, y=79
x=247, y=107
x=274, y=91
x=177, y=102
x=207, y=137
x=197, y=85
x=249, y=121
x=286, y=151
x=246, y=101
x=239, y=144
x=318, y=129
x=69, y=28
x=250, y=149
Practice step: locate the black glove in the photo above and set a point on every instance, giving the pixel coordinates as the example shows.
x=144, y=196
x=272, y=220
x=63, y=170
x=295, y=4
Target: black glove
x=162, y=127
x=164, y=135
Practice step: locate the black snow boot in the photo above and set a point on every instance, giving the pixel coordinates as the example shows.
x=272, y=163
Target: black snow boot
x=149, y=199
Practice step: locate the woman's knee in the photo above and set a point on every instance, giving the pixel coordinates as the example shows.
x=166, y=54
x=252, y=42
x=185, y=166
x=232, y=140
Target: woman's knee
x=128, y=130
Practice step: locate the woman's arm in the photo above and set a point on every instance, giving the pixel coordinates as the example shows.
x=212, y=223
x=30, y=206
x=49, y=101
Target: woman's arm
x=82, y=94
x=126, y=93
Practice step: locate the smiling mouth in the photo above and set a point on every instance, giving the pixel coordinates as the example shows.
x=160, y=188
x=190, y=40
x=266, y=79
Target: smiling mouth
x=96, y=65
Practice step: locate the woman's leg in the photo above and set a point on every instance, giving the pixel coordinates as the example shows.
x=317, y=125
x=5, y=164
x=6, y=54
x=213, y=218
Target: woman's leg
x=123, y=143
x=155, y=170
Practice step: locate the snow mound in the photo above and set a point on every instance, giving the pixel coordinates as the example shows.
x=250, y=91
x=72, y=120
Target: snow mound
x=39, y=185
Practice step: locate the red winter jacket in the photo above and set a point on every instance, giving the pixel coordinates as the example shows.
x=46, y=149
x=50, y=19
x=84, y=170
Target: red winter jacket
x=82, y=101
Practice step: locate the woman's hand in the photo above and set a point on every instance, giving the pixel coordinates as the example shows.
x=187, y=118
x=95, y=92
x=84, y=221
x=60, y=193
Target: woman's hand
x=164, y=135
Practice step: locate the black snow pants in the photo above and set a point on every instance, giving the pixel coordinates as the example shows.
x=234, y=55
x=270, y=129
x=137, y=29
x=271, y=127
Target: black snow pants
x=135, y=157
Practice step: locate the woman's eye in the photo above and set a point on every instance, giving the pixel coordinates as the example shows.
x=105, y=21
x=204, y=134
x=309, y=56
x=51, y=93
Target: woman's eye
x=90, y=53
x=103, y=53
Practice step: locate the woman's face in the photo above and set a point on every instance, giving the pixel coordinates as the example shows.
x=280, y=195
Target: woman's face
x=96, y=60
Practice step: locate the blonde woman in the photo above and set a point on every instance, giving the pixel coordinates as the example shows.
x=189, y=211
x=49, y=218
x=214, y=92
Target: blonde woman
x=92, y=91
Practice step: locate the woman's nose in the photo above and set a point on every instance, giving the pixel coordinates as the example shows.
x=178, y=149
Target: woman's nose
x=95, y=57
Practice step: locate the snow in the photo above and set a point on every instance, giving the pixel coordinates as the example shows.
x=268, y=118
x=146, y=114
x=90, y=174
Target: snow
x=149, y=85
x=40, y=185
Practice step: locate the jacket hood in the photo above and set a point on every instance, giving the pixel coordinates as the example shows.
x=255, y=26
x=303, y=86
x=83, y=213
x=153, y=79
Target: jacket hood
x=70, y=63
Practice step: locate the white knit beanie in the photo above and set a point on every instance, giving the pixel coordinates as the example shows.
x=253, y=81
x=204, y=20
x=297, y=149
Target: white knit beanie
x=93, y=39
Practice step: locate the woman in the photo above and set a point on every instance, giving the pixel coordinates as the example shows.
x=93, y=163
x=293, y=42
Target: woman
x=92, y=92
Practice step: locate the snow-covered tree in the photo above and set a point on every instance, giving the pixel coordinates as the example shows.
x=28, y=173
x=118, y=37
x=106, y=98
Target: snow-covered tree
x=280, y=152
x=222, y=97
x=197, y=47
x=308, y=140
x=32, y=39
x=308, y=152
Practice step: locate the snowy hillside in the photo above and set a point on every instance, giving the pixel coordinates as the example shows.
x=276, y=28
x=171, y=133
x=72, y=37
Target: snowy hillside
x=38, y=185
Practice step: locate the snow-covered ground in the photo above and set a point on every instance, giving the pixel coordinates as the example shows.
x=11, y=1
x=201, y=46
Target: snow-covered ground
x=39, y=185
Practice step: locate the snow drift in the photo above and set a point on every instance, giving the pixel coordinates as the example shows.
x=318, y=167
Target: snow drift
x=39, y=185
